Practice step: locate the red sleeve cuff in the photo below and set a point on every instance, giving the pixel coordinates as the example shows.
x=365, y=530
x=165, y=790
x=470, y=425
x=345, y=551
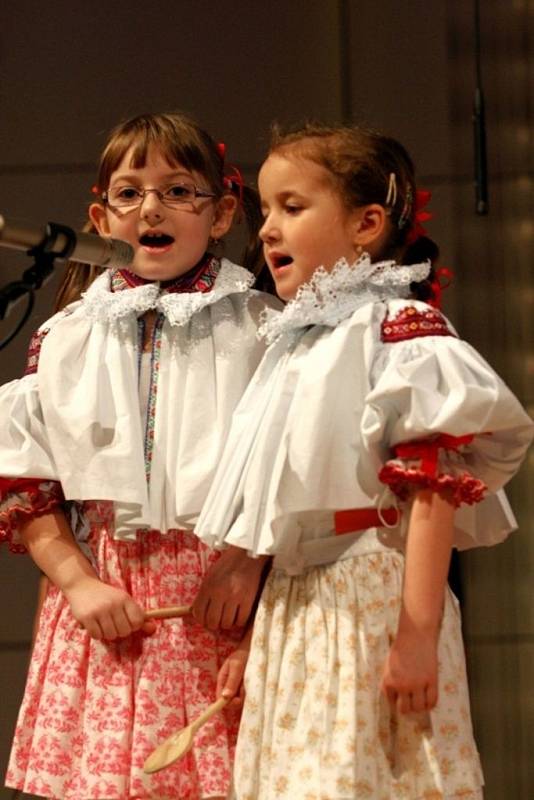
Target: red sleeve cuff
x=21, y=500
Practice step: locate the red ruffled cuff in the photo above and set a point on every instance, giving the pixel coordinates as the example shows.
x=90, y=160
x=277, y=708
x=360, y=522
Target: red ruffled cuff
x=21, y=500
x=424, y=465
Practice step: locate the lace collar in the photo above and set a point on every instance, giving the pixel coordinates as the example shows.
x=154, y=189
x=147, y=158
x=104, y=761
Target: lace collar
x=101, y=304
x=330, y=297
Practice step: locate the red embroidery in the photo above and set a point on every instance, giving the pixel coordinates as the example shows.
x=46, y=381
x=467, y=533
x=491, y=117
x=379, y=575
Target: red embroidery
x=34, y=351
x=411, y=323
x=199, y=279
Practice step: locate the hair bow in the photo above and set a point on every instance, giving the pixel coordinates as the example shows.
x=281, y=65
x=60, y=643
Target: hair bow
x=234, y=182
x=442, y=280
x=422, y=198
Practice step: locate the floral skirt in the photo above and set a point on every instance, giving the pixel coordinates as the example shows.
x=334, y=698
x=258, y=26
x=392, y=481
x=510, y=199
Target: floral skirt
x=315, y=725
x=93, y=711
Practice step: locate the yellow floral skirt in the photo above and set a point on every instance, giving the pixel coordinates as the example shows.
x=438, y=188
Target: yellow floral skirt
x=315, y=725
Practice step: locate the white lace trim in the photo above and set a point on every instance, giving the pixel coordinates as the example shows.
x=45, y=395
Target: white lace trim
x=102, y=305
x=330, y=297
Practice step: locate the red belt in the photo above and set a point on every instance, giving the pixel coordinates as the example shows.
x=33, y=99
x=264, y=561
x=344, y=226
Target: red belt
x=359, y=519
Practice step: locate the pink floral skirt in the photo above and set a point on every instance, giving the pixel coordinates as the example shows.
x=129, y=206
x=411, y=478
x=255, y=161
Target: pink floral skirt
x=93, y=711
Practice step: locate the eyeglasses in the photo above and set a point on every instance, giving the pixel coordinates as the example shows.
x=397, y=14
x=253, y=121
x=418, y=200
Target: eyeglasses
x=175, y=195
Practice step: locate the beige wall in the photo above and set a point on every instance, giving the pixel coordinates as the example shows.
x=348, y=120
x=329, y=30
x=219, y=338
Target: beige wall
x=69, y=71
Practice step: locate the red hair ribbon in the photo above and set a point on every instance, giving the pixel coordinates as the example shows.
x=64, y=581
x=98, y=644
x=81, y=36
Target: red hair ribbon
x=95, y=190
x=442, y=280
x=234, y=182
x=427, y=450
x=221, y=149
x=422, y=198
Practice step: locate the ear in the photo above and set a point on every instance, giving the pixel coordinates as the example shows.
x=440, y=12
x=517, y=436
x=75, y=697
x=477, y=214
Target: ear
x=99, y=218
x=370, y=226
x=224, y=215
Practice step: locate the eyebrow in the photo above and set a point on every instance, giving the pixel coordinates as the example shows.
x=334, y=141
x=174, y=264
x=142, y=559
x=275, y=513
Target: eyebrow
x=282, y=196
x=133, y=177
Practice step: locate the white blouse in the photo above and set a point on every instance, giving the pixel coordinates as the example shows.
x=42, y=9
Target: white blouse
x=78, y=419
x=329, y=402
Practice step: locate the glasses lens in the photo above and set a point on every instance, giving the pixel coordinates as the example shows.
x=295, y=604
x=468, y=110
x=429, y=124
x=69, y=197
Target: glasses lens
x=125, y=196
x=179, y=193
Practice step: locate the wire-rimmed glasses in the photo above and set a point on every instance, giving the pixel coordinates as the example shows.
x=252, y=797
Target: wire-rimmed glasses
x=173, y=195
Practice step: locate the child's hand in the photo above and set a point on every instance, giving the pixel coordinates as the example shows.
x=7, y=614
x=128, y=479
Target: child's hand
x=410, y=677
x=105, y=611
x=227, y=594
x=230, y=677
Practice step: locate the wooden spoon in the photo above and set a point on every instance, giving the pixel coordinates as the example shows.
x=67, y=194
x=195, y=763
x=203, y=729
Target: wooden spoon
x=168, y=612
x=180, y=742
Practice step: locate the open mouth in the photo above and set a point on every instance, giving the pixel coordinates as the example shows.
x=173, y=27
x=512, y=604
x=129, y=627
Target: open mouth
x=278, y=261
x=156, y=241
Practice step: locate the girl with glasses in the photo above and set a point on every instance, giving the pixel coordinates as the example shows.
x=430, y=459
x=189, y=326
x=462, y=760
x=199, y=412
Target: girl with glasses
x=111, y=441
x=369, y=442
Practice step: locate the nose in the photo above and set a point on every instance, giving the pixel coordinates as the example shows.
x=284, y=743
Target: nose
x=269, y=231
x=151, y=205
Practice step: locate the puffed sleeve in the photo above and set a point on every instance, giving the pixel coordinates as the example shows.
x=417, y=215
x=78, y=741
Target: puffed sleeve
x=27, y=488
x=437, y=415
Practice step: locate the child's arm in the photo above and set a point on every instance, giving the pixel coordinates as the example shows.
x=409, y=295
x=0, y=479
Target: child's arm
x=410, y=678
x=230, y=677
x=105, y=611
x=227, y=594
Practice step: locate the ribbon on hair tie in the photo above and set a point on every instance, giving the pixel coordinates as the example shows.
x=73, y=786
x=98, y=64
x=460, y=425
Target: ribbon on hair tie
x=234, y=182
x=442, y=280
x=221, y=149
x=422, y=198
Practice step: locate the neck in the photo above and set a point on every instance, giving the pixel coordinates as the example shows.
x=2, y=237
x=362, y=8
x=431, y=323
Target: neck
x=199, y=278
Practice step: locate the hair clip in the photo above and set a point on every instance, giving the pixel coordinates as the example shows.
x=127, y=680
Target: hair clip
x=391, y=197
x=221, y=149
x=406, y=209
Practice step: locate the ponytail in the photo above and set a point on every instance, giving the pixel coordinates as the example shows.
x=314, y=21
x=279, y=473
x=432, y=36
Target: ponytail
x=423, y=249
x=77, y=278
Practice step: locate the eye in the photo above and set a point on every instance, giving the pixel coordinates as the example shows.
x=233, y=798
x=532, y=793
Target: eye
x=126, y=193
x=292, y=208
x=180, y=191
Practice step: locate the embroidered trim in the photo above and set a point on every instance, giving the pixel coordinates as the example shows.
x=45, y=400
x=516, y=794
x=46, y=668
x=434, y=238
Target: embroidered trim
x=412, y=323
x=152, y=392
x=404, y=481
x=330, y=297
x=34, y=351
x=199, y=279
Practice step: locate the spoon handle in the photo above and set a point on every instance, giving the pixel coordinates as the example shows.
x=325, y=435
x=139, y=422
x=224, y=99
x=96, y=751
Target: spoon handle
x=212, y=709
x=168, y=612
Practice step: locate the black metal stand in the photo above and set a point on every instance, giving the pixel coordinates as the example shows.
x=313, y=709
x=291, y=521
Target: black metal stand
x=44, y=255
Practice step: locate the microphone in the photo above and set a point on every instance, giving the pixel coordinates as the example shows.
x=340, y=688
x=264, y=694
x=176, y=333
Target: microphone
x=62, y=242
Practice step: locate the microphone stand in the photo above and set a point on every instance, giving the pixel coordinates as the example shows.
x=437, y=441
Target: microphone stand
x=44, y=255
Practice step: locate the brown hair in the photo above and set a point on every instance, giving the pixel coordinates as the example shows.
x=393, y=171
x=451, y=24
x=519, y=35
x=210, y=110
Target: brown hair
x=360, y=162
x=184, y=142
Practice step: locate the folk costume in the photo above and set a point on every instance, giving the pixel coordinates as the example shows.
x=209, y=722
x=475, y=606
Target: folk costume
x=363, y=397
x=126, y=440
